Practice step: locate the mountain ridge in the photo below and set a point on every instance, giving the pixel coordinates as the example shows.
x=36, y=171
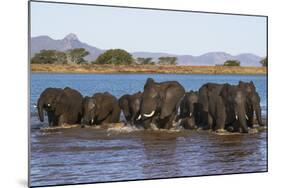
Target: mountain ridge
x=71, y=41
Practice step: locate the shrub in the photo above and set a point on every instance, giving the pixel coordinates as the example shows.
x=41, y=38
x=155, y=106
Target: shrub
x=115, y=56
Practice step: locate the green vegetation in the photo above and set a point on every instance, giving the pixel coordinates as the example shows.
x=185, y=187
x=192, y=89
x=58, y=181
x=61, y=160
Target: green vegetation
x=115, y=56
x=111, y=57
x=264, y=62
x=73, y=56
x=167, y=60
x=49, y=57
x=231, y=63
x=145, y=61
x=76, y=56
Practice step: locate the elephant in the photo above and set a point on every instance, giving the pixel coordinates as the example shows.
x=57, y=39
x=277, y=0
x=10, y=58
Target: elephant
x=253, y=103
x=130, y=105
x=62, y=106
x=160, y=103
x=101, y=108
x=203, y=101
x=223, y=106
x=189, y=110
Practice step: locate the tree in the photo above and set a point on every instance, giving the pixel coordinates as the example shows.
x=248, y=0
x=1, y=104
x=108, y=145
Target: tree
x=231, y=63
x=145, y=61
x=60, y=57
x=76, y=56
x=264, y=62
x=167, y=60
x=49, y=57
x=115, y=56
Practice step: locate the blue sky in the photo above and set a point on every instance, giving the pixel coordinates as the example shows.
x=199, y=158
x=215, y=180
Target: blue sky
x=151, y=30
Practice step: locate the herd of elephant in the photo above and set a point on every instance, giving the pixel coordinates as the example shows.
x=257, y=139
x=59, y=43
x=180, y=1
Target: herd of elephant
x=164, y=105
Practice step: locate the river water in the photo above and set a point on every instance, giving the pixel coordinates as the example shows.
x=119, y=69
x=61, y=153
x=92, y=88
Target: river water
x=76, y=155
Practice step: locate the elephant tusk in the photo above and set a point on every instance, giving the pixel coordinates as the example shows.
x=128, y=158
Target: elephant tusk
x=48, y=104
x=149, y=115
x=236, y=117
x=246, y=117
x=92, y=121
x=190, y=114
x=139, y=117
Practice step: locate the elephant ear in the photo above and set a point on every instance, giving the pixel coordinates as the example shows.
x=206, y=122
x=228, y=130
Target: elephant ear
x=149, y=82
x=171, y=101
x=60, y=104
x=225, y=92
x=104, y=107
x=124, y=104
x=252, y=85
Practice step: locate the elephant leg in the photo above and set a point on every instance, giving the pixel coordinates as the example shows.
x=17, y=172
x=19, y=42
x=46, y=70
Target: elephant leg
x=210, y=122
x=170, y=121
x=133, y=119
x=250, y=121
x=250, y=116
x=108, y=119
x=115, y=116
x=50, y=119
x=79, y=118
x=155, y=123
x=220, y=122
x=220, y=115
x=258, y=115
x=61, y=120
x=205, y=120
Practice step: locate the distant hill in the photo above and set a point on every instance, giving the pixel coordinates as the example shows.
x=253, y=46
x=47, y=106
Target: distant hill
x=71, y=41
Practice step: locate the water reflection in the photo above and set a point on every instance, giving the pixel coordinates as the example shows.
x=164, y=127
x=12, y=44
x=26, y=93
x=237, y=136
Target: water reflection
x=160, y=156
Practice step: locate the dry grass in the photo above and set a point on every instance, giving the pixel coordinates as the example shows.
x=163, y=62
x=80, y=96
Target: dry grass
x=166, y=69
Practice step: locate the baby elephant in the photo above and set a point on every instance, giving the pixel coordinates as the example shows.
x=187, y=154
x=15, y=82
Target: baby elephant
x=130, y=105
x=62, y=106
x=101, y=108
x=189, y=110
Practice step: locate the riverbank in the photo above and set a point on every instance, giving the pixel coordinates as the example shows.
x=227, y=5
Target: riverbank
x=164, y=69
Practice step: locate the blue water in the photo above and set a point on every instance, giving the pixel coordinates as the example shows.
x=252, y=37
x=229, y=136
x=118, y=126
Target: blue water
x=76, y=155
x=120, y=84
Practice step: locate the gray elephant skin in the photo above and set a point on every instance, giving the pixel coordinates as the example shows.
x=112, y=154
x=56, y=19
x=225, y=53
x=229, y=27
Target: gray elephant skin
x=189, y=110
x=62, y=106
x=252, y=103
x=130, y=106
x=100, y=109
x=223, y=106
x=160, y=103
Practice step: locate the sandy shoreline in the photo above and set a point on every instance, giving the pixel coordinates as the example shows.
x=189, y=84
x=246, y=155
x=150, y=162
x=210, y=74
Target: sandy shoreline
x=162, y=69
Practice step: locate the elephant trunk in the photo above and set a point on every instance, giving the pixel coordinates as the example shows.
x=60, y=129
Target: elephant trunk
x=257, y=111
x=242, y=117
x=40, y=104
x=191, y=109
x=127, y=115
